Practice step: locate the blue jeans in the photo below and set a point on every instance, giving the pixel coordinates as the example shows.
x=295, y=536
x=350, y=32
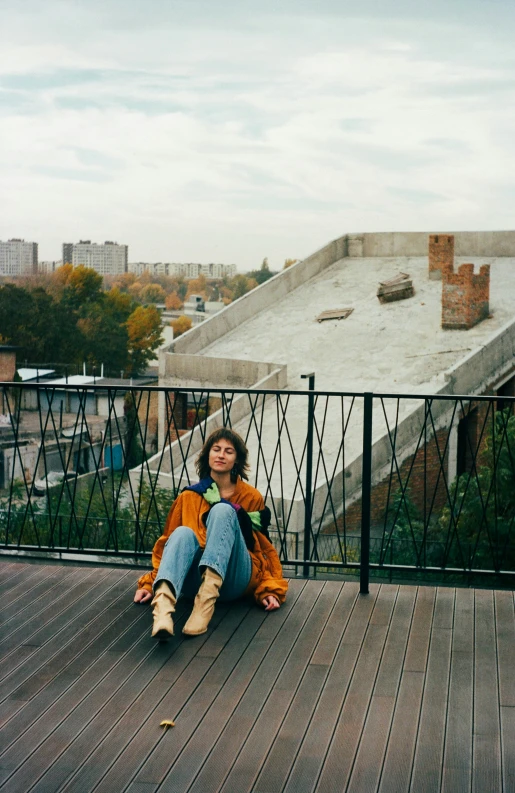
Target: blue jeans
x=225, y=552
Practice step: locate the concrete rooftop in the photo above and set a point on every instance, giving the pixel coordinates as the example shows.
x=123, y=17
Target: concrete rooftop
x=394, y=347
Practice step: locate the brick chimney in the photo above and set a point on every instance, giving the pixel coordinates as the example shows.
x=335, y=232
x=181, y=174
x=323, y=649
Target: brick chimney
x=465, y=297
x=7, y=362
x=441, y=254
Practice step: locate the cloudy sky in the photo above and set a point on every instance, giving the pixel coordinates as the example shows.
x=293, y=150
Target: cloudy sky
x=228, y=130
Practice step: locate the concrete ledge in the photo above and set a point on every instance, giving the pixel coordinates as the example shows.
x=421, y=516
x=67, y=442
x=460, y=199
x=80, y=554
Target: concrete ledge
x=258, y=299
x=178, y=453
x=183, y=370
x=415, y=243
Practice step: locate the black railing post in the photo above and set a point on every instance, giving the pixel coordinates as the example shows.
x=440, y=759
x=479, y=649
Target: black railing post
x=309, y=472
x=366, y=493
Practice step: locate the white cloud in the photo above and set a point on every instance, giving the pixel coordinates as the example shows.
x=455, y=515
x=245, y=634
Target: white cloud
x=261, y=136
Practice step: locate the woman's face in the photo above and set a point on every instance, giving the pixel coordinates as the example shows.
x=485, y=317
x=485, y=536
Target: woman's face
x=222, y=457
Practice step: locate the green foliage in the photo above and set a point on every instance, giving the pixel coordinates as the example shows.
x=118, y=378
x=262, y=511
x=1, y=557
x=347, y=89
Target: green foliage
x=405, y=534
x=72, y=320
x=263, y=274
x=479, y=520
x=98, y=514
x=133, y=448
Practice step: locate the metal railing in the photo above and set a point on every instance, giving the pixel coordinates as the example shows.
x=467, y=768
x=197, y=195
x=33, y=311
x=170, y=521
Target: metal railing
x=370, y=484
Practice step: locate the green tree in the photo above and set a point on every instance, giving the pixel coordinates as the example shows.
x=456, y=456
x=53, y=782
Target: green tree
x=263, y=274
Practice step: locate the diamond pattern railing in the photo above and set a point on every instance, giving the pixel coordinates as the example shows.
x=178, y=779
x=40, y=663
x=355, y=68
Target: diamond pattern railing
x=385, y=483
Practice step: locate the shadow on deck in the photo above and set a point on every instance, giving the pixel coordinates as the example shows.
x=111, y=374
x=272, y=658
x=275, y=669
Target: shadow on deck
x=407, y=689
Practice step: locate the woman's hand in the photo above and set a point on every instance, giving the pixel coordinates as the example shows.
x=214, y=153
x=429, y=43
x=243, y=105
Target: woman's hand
x=142, y=596
x=270, y=603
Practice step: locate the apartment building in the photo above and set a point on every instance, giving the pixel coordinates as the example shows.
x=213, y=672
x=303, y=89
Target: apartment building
x=18, y=257
x=107, y=259
x=185, y=269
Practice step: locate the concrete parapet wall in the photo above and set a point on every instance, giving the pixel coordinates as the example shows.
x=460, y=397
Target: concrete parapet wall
x=258, y=299
x=415, y=243
x=382, y=244
x=191, y=442
x=480, y=367
x=182, y=370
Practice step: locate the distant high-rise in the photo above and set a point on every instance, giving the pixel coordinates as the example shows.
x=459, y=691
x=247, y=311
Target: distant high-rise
x=107, y=259
x=18, y=257
x=186, y=269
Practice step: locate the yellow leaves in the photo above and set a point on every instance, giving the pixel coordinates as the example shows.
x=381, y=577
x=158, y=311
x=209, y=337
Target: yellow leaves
x=153, y=293
x=144, y=328
x=144, y=332
x=166, y=723
x=173, y=302
x=180, y=325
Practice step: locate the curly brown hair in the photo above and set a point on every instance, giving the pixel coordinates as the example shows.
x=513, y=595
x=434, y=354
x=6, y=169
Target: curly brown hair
x=241, y=466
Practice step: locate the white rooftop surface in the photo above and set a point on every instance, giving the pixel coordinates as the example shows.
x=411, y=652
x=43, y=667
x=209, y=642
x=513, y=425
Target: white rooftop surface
x=76, y=380
x=26, y=373
x=393, y=347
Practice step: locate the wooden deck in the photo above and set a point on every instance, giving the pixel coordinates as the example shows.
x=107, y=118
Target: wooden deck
x=407, y=689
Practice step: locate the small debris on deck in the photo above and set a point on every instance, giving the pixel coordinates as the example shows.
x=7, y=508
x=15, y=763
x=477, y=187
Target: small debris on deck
x=335, y=313
x=398, y=288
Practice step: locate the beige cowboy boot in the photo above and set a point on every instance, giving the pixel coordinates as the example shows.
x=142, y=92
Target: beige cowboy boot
x=163, y=606
x=204, y=604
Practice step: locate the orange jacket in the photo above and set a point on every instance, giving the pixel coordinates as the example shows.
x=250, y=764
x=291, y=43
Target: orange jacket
x=189, y=508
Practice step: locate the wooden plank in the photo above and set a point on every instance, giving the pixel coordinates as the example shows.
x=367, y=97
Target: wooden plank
x=457, y=763
x=308, y=762
x=15, y=596
x=73, y=638
x=275, y=770
x=396, y=773
x=277, y=654
x=508, y=747
x=7, y=569
x=427, y=769
x=486, y=751
x=505, y=632
x=238, y=703
x=143, y=712
x=90, y=641
x=339, y=760
x=269, y=717
x=43, y=744
x=60, y=698
x=209, y=727
x=43, y=623
x=369, y=759
x=157, y=766
x=19, y=574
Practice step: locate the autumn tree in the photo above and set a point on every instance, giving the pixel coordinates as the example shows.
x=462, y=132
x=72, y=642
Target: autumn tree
x=198, y=286
x=144, y=332
x=83, y=286
x=180, y=325
x=153, y=293
x=288, y=263
x=173, y=302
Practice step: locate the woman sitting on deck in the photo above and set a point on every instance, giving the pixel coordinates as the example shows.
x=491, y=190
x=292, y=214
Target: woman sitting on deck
x=215, y=543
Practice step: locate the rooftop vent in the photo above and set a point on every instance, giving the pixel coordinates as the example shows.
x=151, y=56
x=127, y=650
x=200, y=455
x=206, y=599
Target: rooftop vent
x=335, y=313
x=398, y=288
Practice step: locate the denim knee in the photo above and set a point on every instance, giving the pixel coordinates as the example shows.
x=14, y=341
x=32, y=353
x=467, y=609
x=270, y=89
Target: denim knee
x=181, y=534
x=222, y=511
